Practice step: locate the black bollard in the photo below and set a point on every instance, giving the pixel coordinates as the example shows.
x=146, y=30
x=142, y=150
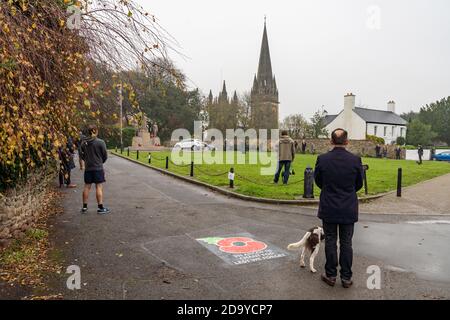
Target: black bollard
x=399, y=182
x=167, y=162
x=308, y=189
x=116, y=149
x=137, y=154
x=149, y=158
x=231, y=177
x=128, y=152
x=192, y=168
x=121, y=150
x=365, y=168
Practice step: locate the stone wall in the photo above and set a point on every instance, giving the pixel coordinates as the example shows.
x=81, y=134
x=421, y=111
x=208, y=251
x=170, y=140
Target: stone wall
x=19, y=207
x=363, y=148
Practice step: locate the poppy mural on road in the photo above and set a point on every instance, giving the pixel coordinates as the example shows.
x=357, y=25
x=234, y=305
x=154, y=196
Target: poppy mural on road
x=241, y=249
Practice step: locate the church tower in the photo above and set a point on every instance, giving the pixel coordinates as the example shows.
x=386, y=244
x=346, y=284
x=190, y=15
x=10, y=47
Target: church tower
x=264, y=93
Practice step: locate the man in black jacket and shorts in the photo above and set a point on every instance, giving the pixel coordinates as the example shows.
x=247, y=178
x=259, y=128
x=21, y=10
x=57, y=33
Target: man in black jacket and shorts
x=94, y=154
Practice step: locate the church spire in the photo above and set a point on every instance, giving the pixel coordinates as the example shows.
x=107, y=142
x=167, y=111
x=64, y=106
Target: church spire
x=224, y=89
x=265, y=64
x=210, y=97
x=223, y=96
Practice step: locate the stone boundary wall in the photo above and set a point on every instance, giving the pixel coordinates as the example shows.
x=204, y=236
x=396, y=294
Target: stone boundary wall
x=363, y=148
x=19, y=207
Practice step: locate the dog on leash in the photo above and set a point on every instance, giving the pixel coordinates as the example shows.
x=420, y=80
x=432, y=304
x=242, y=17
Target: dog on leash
x=311, y=243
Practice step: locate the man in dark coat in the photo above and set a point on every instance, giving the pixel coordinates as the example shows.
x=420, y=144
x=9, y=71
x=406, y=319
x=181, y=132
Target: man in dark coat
x=378, y=151
x=303, y=146
x=339, y=174
x=398, y=152
x=420, y=153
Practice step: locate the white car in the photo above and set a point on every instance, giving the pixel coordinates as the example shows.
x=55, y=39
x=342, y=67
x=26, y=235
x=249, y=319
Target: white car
x=193, y=145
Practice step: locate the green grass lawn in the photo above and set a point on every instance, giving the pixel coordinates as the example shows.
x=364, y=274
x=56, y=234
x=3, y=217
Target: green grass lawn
x=381, y=177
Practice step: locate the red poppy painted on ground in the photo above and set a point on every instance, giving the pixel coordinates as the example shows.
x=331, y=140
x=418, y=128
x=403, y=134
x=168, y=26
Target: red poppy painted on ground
x=239, y=245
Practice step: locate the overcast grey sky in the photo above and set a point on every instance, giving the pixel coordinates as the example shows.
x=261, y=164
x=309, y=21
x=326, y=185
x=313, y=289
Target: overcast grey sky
x=320, y=49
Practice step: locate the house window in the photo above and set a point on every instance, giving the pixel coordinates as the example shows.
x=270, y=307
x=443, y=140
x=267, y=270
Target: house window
x=375, y=129
x=393, y=131
x=385, y=131
x=402, y=132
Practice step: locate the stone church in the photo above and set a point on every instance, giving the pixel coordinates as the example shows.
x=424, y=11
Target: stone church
x=264, y=98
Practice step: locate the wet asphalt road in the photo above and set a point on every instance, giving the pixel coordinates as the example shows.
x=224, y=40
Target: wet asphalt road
x=147, y=248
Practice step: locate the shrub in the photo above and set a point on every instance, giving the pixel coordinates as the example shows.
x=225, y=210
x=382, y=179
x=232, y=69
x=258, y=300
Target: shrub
x=375, y=139
x=401, y=141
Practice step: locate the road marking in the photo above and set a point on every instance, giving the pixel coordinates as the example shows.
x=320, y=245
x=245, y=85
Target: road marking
x=430, y=222
x=241, y=249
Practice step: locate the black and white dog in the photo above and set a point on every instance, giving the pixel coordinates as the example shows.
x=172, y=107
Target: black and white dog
x=311, y=243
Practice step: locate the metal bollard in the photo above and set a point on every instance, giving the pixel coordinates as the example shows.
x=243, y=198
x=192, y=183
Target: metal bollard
x=231, y=177
x=365, y=168
x=399, y=182
x=308, y=189
x=121, y=150
x=149, y=158
x=116, y=149
x=137, y=154
x=167, y=162
x=192, y=169
x=128, y=152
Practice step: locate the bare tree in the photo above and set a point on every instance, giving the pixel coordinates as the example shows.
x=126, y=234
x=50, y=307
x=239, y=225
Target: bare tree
x=244, y=111
x=297, y=126
x=123, y=36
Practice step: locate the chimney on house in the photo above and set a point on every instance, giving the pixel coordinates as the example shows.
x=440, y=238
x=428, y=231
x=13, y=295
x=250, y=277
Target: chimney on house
x=391, y=106
x=349, y=101
x=349, y=105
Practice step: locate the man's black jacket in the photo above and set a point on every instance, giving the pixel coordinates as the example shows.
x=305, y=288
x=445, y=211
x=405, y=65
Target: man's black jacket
x=339, y=174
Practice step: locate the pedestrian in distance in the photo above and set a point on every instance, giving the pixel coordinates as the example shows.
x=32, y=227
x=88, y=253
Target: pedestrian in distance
x=385, y=152
x=420, y=153
x=378, y=151
x=303, y=146
x=66, y=164
x=339, y=175
x=286, y=154
x=94, y=154
x=398, y=153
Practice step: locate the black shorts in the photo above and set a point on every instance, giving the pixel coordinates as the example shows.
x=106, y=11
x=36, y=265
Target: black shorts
x=94, y=177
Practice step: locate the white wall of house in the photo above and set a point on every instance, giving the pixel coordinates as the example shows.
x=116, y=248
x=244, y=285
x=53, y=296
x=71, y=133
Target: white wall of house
x=388, y=132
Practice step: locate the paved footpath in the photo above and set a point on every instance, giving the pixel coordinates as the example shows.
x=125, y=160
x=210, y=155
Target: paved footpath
x=430, y=197
x=147, y=248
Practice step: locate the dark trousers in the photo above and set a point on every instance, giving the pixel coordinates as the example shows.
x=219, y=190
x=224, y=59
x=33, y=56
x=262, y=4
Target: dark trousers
x=64, y=176
x=345, y=249
x=287, y=168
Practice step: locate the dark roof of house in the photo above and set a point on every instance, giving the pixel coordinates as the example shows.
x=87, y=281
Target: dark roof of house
x=329, y=118
x=373, y=116
x=380, y=116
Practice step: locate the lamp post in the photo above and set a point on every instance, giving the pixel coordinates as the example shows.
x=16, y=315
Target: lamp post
x=121, y=114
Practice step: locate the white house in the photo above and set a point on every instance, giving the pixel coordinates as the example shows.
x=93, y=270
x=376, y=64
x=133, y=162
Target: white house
x=360, y=122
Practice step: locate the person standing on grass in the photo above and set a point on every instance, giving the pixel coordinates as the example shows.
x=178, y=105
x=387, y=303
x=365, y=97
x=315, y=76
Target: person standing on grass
x=378, y=151
x=420, y=153
x=94, y=154
x=303, y=146
x=339, y=174
x=398, y=153
x=286, y=154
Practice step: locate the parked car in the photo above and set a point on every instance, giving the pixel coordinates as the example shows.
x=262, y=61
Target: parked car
x=193, y=145
x=443, y=156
